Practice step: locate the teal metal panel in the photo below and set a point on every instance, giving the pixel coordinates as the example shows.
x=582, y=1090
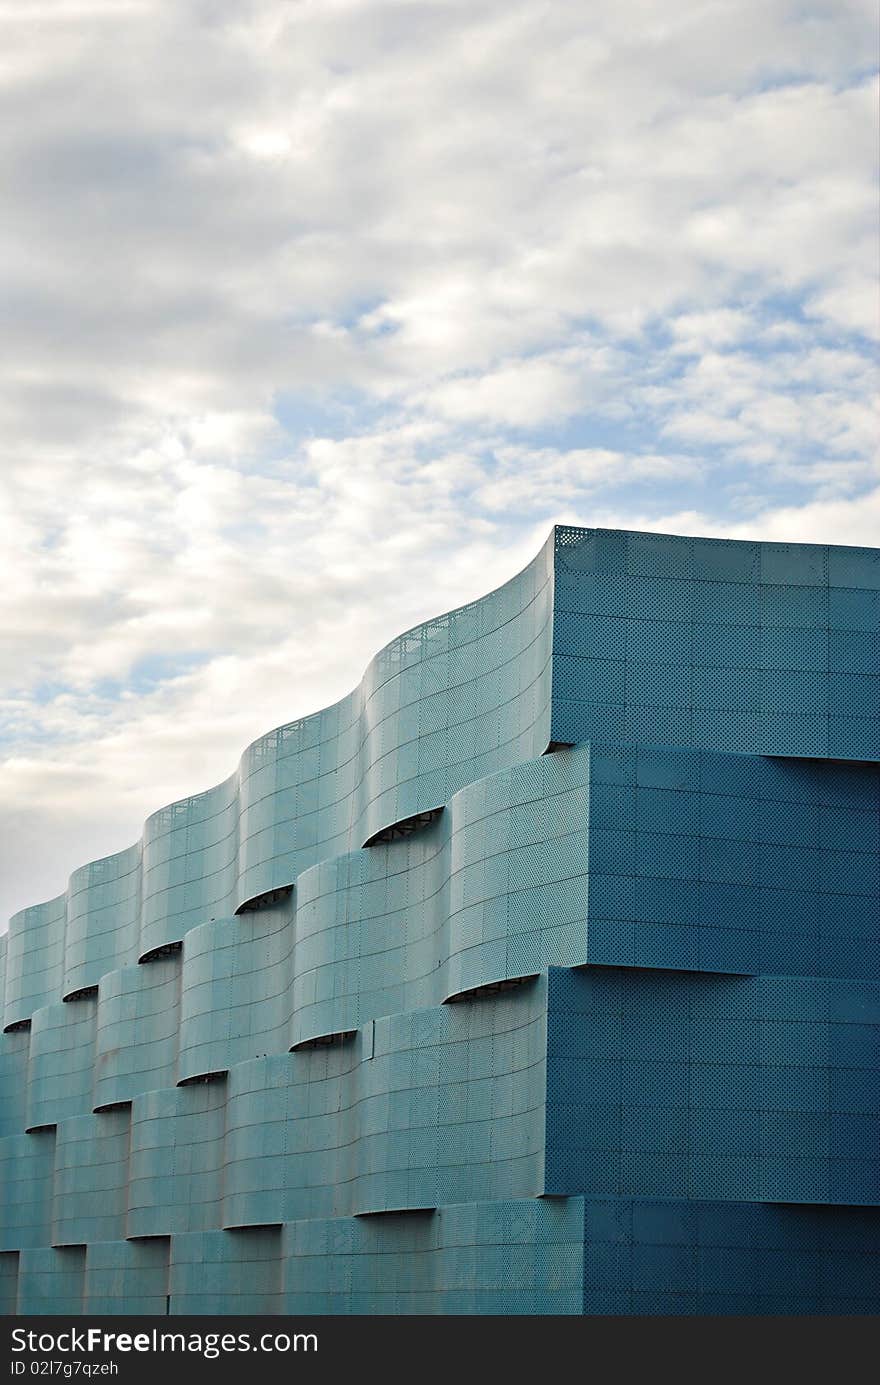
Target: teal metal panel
x=103, y=916
x=732, y=863
x=664, y=1257
x=27, y=1167
x=189, y=865
x=14, y=1050
x=486, y=1257
x=128, y=1277
x=34, y=970
x=62, y=1060
x=226, y=1272
x=90, y=1181
x=8, y=1283
x=760, y=648
x=176, y=1160
x=672, y=1084
x=137, y=1031
x=236, y=984
x=50, y=1280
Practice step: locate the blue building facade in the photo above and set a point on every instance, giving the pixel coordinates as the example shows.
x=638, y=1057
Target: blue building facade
x=539, y=975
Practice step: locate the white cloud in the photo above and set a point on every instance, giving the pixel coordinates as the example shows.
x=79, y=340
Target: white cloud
x=526, y=392
x=720, y=327
x=855, y=522
x=543, y=482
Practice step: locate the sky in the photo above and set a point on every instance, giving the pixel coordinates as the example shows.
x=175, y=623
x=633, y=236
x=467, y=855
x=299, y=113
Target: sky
x=319, y=313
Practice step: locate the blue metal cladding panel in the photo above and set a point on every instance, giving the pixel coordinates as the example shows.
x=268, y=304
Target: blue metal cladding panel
x=638, y=974
x=226, y=1272
x=34, y=971
x=14, y=1049
x=486, y=1257
x=176, y=1160
x=27, y=1164
x=732, y=863
x=137, y=1031
x=671, y=1257
x=50, y=1280
x=127, y=1277
x=8, y=1283
x=189, y=865
x=662, y=1084
x=103, y=908
x=62, y=1058
x=91, y=1179
x=762, y=648
x=236, y=984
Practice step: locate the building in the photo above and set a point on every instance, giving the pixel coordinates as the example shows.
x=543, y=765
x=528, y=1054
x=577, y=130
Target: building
x=538, y=975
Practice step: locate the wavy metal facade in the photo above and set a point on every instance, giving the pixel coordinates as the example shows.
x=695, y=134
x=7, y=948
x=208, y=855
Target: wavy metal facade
x=538, y=975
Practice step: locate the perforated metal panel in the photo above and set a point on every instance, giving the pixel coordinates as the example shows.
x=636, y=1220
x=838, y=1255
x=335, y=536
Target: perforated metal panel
x=759, y=648
x=671, y=1257
x=745, y=1088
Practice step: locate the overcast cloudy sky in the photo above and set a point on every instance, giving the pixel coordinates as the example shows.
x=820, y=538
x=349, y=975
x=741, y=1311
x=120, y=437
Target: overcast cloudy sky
x=318, y=313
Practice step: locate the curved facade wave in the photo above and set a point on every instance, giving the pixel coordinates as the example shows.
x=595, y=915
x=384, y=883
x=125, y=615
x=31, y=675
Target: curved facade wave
x=439, y=707
x=556, y=939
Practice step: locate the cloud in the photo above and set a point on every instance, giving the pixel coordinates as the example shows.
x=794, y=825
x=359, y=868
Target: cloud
x=528, y=391
x=821, y=521
x=318, y=315
x=543, y=482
